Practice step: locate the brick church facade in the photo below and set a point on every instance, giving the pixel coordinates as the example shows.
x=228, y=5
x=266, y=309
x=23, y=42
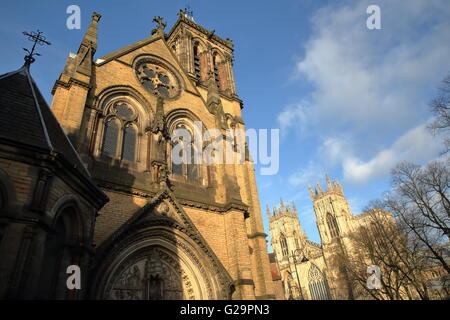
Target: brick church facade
x=91, y=182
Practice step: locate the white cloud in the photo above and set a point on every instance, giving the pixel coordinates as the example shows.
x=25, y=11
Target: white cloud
x=312, y=173
x=365, y=77
x=417, y=145
x=371, y=87
x=295, y=116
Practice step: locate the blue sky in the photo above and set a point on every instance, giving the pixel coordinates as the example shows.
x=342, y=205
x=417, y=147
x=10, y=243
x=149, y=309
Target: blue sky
x=349, y=101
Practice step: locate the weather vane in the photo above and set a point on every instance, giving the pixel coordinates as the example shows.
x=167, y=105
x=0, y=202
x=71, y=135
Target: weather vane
x=38, y=38
x=189, y=12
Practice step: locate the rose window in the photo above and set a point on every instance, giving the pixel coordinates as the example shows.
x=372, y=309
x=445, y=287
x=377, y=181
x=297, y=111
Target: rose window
x=158, y=80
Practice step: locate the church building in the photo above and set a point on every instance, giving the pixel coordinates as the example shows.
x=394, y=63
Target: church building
x=90, y=181
x=309, y=270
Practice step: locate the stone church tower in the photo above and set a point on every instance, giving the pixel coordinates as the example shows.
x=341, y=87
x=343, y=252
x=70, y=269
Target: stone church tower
x=310, y=270
x=335, y=223
x=299, y=260
x=169, y=231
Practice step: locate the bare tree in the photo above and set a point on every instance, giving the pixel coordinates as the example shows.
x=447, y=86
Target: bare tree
x=420, y=202
x=380, y=242
x=440, y=107
x=419, y=239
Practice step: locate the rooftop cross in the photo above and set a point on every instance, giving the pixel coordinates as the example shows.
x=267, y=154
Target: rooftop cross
x=38, y=38
x=159, y=21
x=160, y=25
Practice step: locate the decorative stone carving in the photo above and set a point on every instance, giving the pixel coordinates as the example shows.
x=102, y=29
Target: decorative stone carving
x=163, y=209
x=153, y=276
x=157, y=78
x=159, y=27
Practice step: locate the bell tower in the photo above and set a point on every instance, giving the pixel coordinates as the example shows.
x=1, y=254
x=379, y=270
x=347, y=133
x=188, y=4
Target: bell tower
x=202, y=52
x=334, y=221
x=285, y=232
x=332, y=211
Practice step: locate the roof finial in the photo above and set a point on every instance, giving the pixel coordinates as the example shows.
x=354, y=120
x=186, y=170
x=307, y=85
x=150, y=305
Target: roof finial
x=187, y=12
x=294, y=208
x=281, y=205
x=268, y=211
x=311, y=192
x=328, y=182
x=160, y=25
x=38, y=38
x=319, y=187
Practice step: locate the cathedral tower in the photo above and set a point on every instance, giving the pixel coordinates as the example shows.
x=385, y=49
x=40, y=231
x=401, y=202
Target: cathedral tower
x=332, y=211
x=285, y=231
x=299, y=260
x=334, y=222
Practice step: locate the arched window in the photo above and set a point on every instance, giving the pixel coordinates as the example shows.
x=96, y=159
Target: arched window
x=318, y=287
x=177, y=168
x=284, y=246
x=197, y=61
x=110, y=138
x=297, y=240
x=120, y=136
x=192, y=167
x=185, y=150
x=332, y=226
x=216, y=68
x=129, y=144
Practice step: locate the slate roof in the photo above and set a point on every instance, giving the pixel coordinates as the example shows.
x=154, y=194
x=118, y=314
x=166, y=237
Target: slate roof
x=26, y=119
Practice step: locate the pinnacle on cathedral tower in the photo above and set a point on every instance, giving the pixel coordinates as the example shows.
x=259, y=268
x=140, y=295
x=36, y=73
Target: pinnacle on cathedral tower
x=328, y=182
x=282, y=205
x=294, y=209
x=333, y=186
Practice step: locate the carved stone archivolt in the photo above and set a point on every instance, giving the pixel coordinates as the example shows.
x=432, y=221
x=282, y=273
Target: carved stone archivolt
x=160, y=256
x=152, y=275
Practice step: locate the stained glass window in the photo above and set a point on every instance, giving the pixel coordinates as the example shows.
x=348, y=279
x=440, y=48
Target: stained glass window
x=177, y=168
x=284, y=247
x=110, y=138
x=129, y=144
x=332, y=226
x=196, y=61
x=192, y=167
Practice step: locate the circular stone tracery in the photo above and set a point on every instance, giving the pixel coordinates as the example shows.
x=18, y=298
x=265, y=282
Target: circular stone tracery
x=157, y=78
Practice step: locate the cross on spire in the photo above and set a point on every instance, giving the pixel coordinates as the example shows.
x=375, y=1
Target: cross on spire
x=38, y=38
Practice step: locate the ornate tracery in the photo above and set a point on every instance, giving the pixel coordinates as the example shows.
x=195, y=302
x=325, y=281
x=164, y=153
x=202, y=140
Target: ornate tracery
x=318, y=287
